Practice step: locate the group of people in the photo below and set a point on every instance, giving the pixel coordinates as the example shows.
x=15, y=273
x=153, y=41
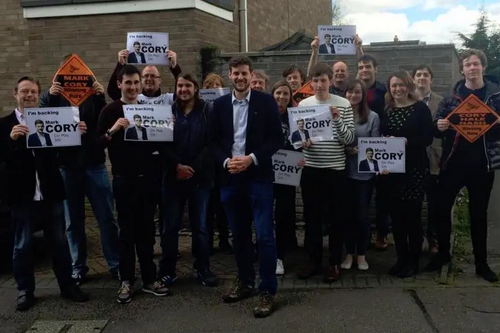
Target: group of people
x=221, y=163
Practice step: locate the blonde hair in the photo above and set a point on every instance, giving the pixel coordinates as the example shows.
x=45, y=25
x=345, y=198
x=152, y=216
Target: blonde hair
x=211, y=79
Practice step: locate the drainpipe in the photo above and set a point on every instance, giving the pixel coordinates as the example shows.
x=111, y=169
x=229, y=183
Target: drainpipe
x=243, y=8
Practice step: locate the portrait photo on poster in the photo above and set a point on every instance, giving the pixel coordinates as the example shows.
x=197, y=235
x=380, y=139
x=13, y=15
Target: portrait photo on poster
x=310, y=123
x=53, y=127
x=148, y=48
x=286, y=167
x=149, y=123
x=379, y=154
x=337, y=39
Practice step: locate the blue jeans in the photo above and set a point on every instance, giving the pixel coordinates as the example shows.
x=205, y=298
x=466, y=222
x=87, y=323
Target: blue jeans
x=94, y=183
x=24, y=218
x=242, y=201
x=176, y=195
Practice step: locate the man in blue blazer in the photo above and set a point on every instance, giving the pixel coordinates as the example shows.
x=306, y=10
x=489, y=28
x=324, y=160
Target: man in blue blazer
x=136, y=57
x=138, y=132
x=35, y=139
x=245, y=131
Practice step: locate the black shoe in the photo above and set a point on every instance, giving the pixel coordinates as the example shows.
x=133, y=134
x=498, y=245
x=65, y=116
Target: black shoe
x=75, y=294
x=225, y=247
x=397, y=268
x=309, y=271
x=78, y=278
x=436, y=263
x=239, y=291
x=484, y=271
x=206, y=277
x=408, y=270
x=265, y=306
x=25, y=301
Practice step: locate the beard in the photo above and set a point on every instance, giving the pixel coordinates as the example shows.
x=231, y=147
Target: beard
x=245, y=83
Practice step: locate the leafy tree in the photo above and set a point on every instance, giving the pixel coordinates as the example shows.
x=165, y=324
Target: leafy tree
x=486, y=38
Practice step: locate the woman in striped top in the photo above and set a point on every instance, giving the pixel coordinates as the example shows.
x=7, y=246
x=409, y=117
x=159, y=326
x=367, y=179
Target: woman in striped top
x=324, y=177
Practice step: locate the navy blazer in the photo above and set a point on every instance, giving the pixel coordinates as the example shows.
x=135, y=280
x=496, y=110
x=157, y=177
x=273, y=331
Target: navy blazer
x=263, y=138
x=363, y=166
x=132, y=58
x=34, y=140
x=131, y=133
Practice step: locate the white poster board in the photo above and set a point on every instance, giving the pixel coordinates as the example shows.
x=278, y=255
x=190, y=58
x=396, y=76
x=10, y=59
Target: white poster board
x=53, y=127
x=149, y=123
x=147, y=48
x=377, y=154
x=210, y=95
x=337, y=39
x=314, y=123
x=286, y=167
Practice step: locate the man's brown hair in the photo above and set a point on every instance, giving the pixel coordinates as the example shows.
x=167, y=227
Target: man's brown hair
x=469, y=53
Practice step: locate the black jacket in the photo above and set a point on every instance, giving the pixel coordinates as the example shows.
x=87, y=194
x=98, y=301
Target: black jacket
x=377, y=101
x=20, y=165
x=91, y=152
x=491, y=140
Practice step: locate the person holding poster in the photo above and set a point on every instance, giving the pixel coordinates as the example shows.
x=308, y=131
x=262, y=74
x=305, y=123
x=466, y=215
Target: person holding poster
x=85, y=174
x=215, y=212
x=34, y=191
x=469, y=164
x=359, y=185
x=243, y=148
x=423, y=76
x=133, y=188
x=409, y=118
x=376, y=91
x=189, y=176
x=284, y=195
x=324, y=178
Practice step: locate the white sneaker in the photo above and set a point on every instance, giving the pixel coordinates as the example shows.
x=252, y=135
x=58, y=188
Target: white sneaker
x=362, y=264
x=347, y=264
x=280, y=268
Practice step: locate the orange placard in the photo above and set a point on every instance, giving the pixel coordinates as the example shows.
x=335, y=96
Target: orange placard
x=472, y=118
x=305, y=91
x=76, y=80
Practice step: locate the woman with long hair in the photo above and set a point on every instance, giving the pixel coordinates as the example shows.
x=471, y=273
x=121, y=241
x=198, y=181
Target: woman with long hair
x=189, y=176
x=360, y=185
x=284, y=211
x=216, y=217
x=411, y=119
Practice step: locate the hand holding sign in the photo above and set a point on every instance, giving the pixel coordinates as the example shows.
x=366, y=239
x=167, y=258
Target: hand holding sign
x=351, y=150
x=83, y=127
x=335, y=112
x=172, y=57
x=18, y=131
x=358, y=41
x=56, y=88
x=98, y=88
x=122, y=57
x=443, y=124
x=315, y=44
x=121, y=123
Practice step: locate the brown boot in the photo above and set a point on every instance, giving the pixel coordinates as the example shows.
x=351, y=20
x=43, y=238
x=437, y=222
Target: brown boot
x=265, y=306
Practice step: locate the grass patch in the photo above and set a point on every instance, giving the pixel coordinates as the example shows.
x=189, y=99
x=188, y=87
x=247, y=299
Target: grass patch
x=462, y=248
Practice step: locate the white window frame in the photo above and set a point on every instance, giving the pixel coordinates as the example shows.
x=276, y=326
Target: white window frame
x=124, y=7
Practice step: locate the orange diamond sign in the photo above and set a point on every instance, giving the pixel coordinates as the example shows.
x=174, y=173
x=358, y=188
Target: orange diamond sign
x=305, y=91
x=76, y=80
x=472, y=118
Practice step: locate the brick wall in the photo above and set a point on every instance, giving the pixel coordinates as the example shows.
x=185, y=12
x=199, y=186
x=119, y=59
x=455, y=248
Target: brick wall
x=270, y=22
x=442, y=58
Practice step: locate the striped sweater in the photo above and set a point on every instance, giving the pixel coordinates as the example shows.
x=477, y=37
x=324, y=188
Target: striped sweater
x=331, y=154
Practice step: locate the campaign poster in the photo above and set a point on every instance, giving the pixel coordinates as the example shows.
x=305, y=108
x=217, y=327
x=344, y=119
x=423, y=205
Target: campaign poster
x=337, y=39
x=210, y=95
x=53, y=127
x=310, y=123
x=286, y=167
x=149, y=123
x=76, y=80
x=472, y=118
x=305, y=91
x=147, y=48
x=378, y=154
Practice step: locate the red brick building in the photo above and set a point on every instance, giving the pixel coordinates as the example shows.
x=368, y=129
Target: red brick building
x=36, y=34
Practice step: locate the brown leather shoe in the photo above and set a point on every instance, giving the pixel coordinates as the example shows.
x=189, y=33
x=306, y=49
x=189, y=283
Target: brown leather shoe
x=309, y=271
x=381, y=243
x=265, y=306
x=332, y=274
x=238, y=292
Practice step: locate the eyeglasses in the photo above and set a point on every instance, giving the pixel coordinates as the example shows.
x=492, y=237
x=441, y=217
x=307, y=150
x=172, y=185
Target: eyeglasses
x=150, y=76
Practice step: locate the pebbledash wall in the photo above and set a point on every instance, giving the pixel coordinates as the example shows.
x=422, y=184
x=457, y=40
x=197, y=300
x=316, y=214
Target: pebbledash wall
x=36, y=34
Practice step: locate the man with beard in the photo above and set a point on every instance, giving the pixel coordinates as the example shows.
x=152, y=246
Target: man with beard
x=340, y=71
x=133, y=183
x=245, y=131
x=423, y=75
x=375, y=95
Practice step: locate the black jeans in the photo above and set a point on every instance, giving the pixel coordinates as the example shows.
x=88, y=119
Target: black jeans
x=432, y=208
x=479, y=184
x=407, y=228
x=323, y=197
x=382, y=205
x=133, y=197
x=284, y=217
x=216, y=217
x=357, y=231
